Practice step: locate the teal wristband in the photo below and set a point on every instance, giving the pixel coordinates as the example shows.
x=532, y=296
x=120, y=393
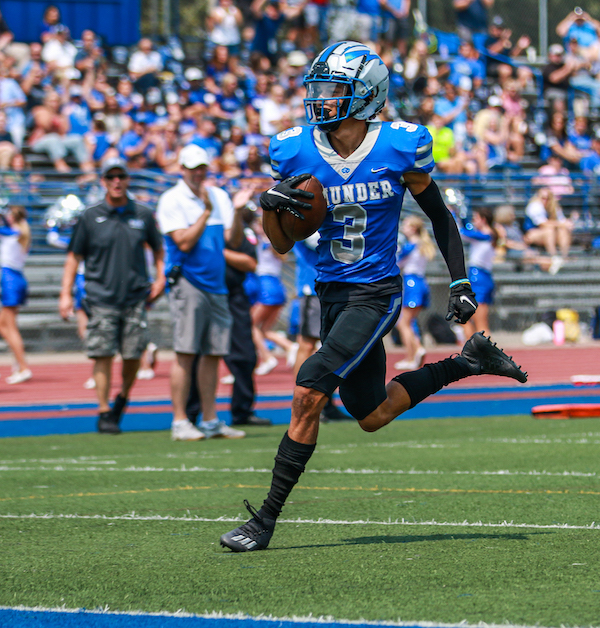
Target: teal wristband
x=459, y=281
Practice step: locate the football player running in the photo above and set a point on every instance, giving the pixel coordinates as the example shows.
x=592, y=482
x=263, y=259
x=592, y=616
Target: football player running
x=365, y=167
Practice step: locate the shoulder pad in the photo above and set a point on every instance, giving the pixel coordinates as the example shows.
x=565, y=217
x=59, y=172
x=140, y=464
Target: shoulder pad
x=285, y=146
x=405, y=135
x=415, y=141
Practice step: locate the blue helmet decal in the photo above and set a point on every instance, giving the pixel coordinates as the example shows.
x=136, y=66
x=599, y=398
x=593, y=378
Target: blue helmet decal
x=371, y=56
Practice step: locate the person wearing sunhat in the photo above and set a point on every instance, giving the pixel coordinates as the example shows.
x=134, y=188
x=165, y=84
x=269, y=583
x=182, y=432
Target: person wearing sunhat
x=111, y=237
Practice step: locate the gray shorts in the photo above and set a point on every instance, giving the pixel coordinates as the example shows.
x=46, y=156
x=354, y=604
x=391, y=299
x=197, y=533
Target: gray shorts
x=113, y=329
x=310, y=317
x=201, y=320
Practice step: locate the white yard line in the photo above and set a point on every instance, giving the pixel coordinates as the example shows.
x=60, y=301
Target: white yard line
x=196, y=469
x=360, y=522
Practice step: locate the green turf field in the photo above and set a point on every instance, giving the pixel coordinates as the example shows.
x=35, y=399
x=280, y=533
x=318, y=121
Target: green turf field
x=386, y=526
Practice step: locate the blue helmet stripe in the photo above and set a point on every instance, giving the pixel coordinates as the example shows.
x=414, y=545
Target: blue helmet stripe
x=328, y=51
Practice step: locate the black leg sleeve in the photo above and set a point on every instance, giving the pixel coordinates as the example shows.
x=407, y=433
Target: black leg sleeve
x=290, y=463
x=430, y=378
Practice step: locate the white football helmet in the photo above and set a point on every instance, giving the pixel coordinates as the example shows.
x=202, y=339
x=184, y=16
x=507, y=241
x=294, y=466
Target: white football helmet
x=350, y=73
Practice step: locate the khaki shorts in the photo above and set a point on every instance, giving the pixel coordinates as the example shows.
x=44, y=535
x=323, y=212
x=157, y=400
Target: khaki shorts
x=201, y=320
x=112, y=329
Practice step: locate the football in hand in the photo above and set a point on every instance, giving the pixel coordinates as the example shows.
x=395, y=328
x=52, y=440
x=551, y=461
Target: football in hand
x=297, y=229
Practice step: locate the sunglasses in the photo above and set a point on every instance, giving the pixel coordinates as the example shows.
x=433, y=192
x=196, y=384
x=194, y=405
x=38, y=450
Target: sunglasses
x=122, y=176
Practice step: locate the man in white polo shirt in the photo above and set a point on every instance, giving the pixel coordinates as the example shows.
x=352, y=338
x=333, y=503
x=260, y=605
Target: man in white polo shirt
x=197, y=220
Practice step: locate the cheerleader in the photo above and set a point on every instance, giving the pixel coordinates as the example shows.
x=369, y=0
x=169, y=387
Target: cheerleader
x=482, y=237
x=412, y=260
x=272, y=297
x=15, y=240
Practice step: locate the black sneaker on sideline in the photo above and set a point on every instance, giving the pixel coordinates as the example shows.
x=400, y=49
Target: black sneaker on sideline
x=485, y=358
x=253, y=535
x=119, y=406
x=332, y=413
x=107, y=424
x=253, y=420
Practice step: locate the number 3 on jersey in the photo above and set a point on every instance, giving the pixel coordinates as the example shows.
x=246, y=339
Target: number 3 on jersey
x=353, y=233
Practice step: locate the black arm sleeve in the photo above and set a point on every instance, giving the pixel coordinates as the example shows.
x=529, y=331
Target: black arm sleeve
x=444, y=228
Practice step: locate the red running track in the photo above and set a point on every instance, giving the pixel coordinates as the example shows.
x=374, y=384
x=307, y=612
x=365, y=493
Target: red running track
x=63, y=382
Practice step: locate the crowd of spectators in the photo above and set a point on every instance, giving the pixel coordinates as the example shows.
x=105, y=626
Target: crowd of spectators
x=489, y=104
x=78, y=103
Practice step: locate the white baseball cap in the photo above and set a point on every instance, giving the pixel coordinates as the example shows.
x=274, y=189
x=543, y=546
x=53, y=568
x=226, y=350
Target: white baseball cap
x=192, y=156
x=193, y=74
x=556, y=49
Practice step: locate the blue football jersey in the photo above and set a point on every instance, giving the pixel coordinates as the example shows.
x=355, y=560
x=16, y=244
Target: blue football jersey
x=364, y=193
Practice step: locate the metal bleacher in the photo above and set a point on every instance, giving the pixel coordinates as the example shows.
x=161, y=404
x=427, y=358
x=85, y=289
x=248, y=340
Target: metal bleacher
x=523, y=295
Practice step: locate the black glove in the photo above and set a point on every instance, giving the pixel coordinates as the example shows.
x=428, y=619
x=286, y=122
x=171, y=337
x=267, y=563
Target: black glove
x=281, y=196
x=462, y=303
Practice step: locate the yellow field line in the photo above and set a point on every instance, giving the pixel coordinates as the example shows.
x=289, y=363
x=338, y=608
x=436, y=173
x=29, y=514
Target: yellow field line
x=313, y=488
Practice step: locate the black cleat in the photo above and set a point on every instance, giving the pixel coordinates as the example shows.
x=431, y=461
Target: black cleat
x=252, y=535
x=485, y=358
x=107, y=424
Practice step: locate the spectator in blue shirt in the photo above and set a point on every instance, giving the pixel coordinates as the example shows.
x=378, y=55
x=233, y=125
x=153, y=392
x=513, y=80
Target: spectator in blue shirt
x=134, y=143
x=90, y=56
x=269, y=16
x=50, y=23
x=13, y=101
x=471, y=16
x=229, y=104
x=35, y=60
x=198, y=96
x=451, y=107
x=78, y=112
x=99, y=141
x=217, y=67
x=580, y=136
x=580, y=26
x=205, y=137
x=590, y=164
x=368, y=18
x=128, y=99
x=395, y=26
x=467, y=63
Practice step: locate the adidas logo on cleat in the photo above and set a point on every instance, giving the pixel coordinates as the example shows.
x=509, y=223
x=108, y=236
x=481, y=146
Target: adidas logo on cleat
x=253, y=535
x=244, y=540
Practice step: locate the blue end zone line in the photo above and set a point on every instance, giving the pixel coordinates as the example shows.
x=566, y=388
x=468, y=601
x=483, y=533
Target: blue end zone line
x=453, y=403
x=82, y=618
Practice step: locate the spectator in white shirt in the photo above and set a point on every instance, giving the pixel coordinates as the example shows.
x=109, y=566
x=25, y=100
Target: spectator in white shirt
x=273, y=110
x=59, y=53
x=144, y=65
x=548, y=227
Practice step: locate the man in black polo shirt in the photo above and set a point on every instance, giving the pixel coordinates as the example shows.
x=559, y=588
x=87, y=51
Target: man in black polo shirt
x=110, y=237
